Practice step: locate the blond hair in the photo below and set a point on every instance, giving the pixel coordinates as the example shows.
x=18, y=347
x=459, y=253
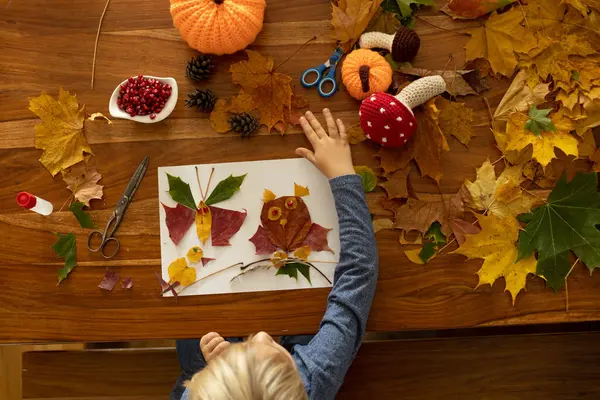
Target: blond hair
x=240, y=373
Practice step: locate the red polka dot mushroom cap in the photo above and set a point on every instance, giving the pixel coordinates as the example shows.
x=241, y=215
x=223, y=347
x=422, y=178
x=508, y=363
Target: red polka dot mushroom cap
x=389, y=120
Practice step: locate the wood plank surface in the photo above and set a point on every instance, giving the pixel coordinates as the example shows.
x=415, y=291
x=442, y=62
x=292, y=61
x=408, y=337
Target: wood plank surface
x=47, y=45
x=552, y=367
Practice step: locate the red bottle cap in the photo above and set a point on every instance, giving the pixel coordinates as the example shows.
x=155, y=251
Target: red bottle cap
x=26, y=200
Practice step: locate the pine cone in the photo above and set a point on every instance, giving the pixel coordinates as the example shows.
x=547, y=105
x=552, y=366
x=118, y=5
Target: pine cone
x=199, y=67
x=243, y=123
x=203, y=100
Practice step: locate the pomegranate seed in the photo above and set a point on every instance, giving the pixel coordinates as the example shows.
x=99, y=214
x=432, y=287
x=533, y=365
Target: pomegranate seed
x=158, y=110
x=152, y=116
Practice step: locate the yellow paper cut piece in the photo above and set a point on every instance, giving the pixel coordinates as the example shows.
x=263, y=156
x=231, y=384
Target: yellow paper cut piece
x=268, y=196
x=195, y=254
x=300, y=191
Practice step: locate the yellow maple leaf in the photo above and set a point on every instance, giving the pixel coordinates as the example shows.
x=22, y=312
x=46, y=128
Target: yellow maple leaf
x=82, y=180
x=195, y=254
x=499, y=39
x=455, y=119
x=180, y=272
x=500, y=196
x=60, y=134
x=519, y=96
x=496, y=244
x=300, y=191
x=544, y=144
x=350, y=18
x=583, y=5
x=271, y=91
x=203, y=222
x=544, y=15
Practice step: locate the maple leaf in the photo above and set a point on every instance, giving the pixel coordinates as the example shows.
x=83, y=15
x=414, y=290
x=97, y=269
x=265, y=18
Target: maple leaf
x=538, y=121
x=225, y=224
x=469, y=9
x=396, y=185
x=291, y=269
x=261, y=241
x=499, y=39
x=382, y=223
x=583, y=6
x=356, y=134
x=178, y=220
x=65, y=248
x=219, y=117
x=302, y=252
x=368, y=177
x=60, y=134
x=82, y=180
x=180, y=192
x=519, y=97
x=225, y=189
x=180, y=272
x=543, y=145
x=419, y=214
x=384, y=21
x=567, y=222
x=271, y=91
x=500, y=196
x=350, y=18
x=496, y=244
x=391, y=159
x=458, y=82
x=85, y=221
x=596, y=159
x=455, y=119
x=195, y=254
x=316, y=238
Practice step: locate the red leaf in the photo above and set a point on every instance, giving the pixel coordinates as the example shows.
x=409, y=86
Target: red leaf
x=206, y=260
x=127, y=283
x=109, y=281
x=287, y=222
x=317, y=238
x=262, y=242
x=461, y=228
x=225, y=224
x=165, y=286
x=179, y=219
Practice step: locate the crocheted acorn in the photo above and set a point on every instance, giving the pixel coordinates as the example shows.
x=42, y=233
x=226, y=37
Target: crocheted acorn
x=365, y=72
x=218, y=26
x=389, y=120
x=403, y=45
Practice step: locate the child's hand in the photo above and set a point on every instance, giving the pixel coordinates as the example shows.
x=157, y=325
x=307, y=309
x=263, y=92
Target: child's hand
x=211, y=345
x=331, y=151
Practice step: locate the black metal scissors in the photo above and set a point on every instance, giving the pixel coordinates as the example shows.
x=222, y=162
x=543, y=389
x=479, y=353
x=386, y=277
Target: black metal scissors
x=117, y=215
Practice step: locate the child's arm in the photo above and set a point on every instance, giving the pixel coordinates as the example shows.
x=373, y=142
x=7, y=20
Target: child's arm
x=324, y=361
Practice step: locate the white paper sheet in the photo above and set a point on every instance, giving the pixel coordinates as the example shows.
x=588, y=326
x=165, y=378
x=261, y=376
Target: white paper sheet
x=278, y=176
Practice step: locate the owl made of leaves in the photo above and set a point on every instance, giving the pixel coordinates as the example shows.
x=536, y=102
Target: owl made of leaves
x=218, y=26
x=287, y=222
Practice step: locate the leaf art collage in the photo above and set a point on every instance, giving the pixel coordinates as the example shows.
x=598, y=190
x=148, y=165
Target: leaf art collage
x=254, y=239
x=531, y=209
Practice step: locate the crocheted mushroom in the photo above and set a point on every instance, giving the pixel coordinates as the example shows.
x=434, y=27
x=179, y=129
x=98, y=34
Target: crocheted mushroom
x=389, y=120
x=403, y=45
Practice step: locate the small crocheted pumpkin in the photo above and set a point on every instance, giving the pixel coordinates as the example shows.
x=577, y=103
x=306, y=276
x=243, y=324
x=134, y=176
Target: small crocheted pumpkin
x=218, y=26
x=365, y=72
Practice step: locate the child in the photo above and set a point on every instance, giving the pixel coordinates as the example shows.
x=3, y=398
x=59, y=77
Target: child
x=260, y=368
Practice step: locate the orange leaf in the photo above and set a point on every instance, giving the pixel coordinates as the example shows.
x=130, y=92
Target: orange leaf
x=302, y=252
x=396, y=185
x=350, y=18
x=219, y=116
x=268, y=196
x=300, y=191
x=271, y=91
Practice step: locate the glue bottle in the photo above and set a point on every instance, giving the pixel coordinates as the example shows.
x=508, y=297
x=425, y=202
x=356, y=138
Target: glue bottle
x=34, y=203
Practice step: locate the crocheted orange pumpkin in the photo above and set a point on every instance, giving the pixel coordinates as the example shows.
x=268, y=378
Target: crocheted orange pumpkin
x=218, y=26
x=365, y=72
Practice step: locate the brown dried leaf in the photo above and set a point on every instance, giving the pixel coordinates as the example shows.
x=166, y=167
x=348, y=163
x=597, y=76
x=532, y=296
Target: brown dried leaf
x=82, y=180
x=455, y=119
x=458, y=83
x=519, y=97
x=356, y=134
x=461, y=228
x=391, y=159
x=396, y=185
x=382, y=223
x=350, y=18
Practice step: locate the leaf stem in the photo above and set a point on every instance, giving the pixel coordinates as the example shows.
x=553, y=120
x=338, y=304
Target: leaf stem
x=209, y=179
x=295, y=52
x=96, y=42
x=211, y=274
x=567, y=287
x=440, y=28
x=199, y=184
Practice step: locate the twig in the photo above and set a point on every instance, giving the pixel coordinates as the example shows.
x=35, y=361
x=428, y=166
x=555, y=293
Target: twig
x=567, y=287
x=447, y=244
x=523, y=12
x=209, y=179
x=531, y=193
x=295, y=52
x=440, y=28
x=498, y=160
x=96, y=43
x=200, y=185
x=211, y=274
x=489, y=110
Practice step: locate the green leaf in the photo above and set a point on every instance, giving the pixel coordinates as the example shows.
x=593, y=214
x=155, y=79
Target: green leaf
x=405, y=6
x=291, y=269
x=575, y=75
x=369, y=179
x=396, y=65
x=85, y=221
x=383, y=21
x=180, y=192
x=65, y=248
x=428, y=251
x=567, y=222
x=404, y=10
x=538, y=121
x=225, y=189
x=435, y=233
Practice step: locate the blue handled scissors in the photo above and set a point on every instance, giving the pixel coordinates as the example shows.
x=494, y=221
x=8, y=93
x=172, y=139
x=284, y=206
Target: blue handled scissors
x=322, y=79
x=117, y=215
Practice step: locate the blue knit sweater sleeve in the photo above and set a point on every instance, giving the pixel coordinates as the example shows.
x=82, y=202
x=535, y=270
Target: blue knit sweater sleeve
x=323, y=363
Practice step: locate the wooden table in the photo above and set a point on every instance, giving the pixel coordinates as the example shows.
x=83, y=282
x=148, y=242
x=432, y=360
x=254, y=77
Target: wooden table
x=48, y=44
